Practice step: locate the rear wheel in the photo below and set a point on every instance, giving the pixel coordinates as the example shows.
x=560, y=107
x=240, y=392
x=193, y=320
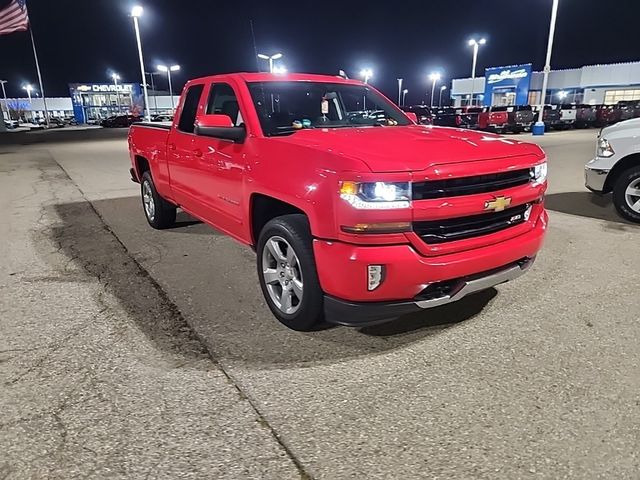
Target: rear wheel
x=287, y=272
x=159, y=213
x=626, y=194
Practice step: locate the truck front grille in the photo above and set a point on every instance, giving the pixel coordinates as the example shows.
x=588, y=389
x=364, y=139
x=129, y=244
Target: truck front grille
x=451, y=229
x=455, y=187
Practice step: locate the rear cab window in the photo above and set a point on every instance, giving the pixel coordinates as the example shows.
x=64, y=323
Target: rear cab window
x=187, y=120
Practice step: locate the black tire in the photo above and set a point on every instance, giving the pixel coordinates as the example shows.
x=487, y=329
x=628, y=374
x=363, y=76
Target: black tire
x=294, y=229
x=164, y=212
x=624, y=180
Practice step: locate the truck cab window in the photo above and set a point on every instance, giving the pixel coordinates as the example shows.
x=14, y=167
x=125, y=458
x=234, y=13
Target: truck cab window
x=190, y=109
x=223, y=101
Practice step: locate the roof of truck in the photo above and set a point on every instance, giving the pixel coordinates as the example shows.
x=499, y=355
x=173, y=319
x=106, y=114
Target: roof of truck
x=296, y=77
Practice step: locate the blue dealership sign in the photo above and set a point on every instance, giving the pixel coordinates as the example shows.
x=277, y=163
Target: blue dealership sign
x=515, y=79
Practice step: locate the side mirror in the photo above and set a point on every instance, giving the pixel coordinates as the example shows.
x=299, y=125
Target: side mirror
x=219, y=126
x=412, y=116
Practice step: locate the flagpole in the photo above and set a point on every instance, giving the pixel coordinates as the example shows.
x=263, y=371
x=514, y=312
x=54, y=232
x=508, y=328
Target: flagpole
x=35, y=56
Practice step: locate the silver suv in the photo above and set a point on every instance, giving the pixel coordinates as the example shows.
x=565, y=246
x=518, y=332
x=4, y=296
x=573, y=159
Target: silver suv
x=616, y=167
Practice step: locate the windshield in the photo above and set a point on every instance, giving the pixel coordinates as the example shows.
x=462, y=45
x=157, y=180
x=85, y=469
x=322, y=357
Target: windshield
x=286, y=107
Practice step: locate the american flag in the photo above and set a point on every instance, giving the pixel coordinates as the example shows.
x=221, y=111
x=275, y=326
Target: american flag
x=14, y=17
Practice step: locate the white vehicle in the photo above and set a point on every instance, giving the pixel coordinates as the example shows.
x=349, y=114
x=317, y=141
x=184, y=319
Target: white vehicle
x=616, y=167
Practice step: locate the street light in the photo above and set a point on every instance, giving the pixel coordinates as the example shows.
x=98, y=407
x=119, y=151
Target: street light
x=538, y=127
x=168, y=70
x=115, y=78
x=29, y=89
x=476, y=45
x=404, y=94
x=400, y=91
x=442, y=89
x=279, y=70
x=366, y=73
x=270, y=59
x=136, y=12
x=434, y=77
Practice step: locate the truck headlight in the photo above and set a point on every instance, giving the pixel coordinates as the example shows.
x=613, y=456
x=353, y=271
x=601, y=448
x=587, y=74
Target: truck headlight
x=604, y=149
x=376, y=195
x=539, y=173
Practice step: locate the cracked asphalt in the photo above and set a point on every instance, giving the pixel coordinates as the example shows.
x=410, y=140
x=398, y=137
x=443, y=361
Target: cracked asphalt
x=131, y=353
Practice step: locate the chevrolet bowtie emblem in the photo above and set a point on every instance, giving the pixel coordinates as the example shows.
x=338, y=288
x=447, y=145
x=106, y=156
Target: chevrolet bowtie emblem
x=498, y=204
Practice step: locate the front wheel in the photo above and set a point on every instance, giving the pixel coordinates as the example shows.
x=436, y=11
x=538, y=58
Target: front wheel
x=287, y=272
x=626, y=194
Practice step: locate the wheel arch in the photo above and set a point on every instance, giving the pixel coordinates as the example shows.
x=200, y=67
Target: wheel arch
x=263, y=208
x=621, y=166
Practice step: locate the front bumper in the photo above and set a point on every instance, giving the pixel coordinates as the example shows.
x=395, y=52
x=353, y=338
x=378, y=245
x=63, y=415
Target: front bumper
x=358, y=314
x=342, y=271
x=595, y=178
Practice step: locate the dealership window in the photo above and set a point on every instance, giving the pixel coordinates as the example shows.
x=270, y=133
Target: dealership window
x=611, y=97
x=478, y=99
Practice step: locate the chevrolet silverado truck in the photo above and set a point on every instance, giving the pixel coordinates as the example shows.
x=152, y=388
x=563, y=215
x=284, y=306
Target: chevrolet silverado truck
x=616, y=167
x=357, y=214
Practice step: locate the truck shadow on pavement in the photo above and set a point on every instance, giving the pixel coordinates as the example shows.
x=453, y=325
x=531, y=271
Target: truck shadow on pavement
x=585, y=204
x=185, y=298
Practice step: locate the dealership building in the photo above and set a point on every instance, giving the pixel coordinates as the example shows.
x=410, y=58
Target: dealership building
x=92, y=102
x=519, y=85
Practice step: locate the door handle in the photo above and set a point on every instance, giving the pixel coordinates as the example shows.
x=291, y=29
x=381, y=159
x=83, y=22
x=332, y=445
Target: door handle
x=197, y=152
x=172, y=146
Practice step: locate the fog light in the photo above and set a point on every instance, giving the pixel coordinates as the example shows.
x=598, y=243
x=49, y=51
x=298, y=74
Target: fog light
x=375, y=276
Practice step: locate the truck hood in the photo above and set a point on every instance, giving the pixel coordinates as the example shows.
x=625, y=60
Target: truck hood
x=623, y=129
x=411, y=148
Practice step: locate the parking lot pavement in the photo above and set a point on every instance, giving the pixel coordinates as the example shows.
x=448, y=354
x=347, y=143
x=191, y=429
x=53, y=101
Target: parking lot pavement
x=537, y=379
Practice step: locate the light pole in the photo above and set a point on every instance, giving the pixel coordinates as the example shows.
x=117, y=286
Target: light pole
x=29, y=88
x=4, y=95
x=168, y=70
x=476, y=45
x=538, y=127
x=404, y=94
x=442, y=89
x=270, y=59
x=399, y=91
x=136, y=12
x=153, y=89
x=366, y=73
x=115, y=78
x=435, y=77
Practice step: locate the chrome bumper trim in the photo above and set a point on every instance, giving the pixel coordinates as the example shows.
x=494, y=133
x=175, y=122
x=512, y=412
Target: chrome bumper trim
x=466, y=287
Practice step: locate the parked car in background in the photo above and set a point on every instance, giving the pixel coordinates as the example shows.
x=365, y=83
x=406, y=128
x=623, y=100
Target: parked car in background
x=162, y=118
x=585, y=116
x=424, y=114
x=498, y=119
x=568, y=116
x=120, y=121
x=628, y=109
x=616, y=167
x=445, y=117
x=471, y=116
x=607, y=115
x=524, y=118
x=550, y=116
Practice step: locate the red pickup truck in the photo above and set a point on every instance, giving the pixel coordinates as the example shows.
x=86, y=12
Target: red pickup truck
x=357, y=214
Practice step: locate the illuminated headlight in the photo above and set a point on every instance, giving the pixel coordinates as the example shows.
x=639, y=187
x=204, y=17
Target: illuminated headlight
x=539, y=173
x=604, y=148
x=376, y=195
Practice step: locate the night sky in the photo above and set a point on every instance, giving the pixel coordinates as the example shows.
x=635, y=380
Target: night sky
x=81, y=41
